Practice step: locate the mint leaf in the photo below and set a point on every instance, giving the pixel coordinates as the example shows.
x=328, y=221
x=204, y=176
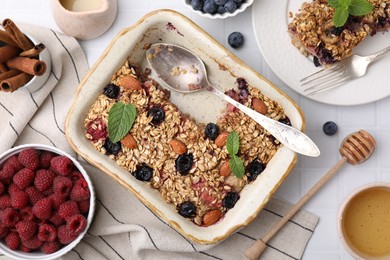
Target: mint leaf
x=345, y=3
x=120, y=120
x=334, y=3
x=237, y=166
x=340, y=16
x=233, y=143
x=359, y=7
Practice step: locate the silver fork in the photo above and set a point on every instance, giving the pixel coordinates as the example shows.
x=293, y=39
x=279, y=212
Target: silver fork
x=348, y=69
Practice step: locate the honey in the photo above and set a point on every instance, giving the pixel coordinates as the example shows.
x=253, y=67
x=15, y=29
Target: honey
x=81, y=5
x=366, y=222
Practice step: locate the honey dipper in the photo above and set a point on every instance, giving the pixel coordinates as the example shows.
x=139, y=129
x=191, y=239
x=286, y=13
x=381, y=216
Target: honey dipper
x=355, y=149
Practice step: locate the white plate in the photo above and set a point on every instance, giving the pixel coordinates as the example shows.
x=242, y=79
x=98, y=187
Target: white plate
x=270, y=19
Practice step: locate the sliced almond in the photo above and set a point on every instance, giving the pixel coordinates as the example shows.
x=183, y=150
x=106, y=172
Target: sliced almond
x=178, y=146
x=130, y=82
x=259, y=106
x=129, y=141
x=211, y=217
x=225, y=169
x=221, y=139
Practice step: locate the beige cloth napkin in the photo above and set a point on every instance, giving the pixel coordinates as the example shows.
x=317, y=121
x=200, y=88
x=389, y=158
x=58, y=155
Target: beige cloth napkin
x=123, y=228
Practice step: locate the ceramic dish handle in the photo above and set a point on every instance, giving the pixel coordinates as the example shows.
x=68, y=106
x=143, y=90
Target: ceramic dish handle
x=287, y=135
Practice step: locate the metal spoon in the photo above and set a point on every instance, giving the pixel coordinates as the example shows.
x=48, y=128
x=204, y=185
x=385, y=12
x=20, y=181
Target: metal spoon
x=355, y=149
x=182, y=71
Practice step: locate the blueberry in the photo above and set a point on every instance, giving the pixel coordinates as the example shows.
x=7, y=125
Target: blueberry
x=221, y=9
x=112, y=148
x=111, y=91
x=158, y=115
x=329, y=128
x=183, y=163
x=143, y=172
x=230, y=6
x=337, y=30
x=230, y=200
x=254, y=169
x=220, y=2
x=316, y=61
x=285, y=121
x=187, y=209
x=238, y=1
x=235, y=39
x=211, y=131
x=197, y=4
x=210, y=7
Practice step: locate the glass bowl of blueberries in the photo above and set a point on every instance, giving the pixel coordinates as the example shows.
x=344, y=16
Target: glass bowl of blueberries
x=218, y=9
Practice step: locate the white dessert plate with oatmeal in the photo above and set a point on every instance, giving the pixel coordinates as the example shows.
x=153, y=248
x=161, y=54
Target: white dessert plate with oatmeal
x=223, y=69
x=270, y=20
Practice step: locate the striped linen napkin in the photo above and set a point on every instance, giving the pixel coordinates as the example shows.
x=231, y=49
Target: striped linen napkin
x=123, y=228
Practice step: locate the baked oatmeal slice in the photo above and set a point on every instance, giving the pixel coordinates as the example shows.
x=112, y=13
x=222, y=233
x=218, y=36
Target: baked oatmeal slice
x=313, y=32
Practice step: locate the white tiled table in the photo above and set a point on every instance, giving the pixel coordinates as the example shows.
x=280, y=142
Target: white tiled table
x=373, y=117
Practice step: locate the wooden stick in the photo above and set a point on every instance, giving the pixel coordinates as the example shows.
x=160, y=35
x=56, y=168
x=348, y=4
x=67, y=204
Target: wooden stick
x=259, y=246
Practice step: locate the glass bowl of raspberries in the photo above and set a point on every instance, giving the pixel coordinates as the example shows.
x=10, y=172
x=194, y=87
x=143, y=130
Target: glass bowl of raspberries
x=47, y=202
x=218, y=9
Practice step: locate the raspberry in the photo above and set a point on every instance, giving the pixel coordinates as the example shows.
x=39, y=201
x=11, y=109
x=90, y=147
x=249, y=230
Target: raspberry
x=83, y=206
x=29, y=158
x=65, y=236
x=14, y=161
x=61, y=165
x=50, y=247
x=43, y=209
x=80, y=191
x=9, y=217
x=3, y=230
x=24, y=178
x=76, y=224
x=68, y=209
x=75, y=176
x=24, y=249
x=27, y=214
x=44, y=179
x=13, y=188
x=7, y=173
x=57, y=200
x=48, y=191
x=26, y=229
x=32, y=243
x=45, y=159
x=56, y=219
x=19, y=199
x=97, y=129
x=5, y=201
x=62, y=185
x=12, y=240
x=34, y=194
x=2, y=188
x=47, y=232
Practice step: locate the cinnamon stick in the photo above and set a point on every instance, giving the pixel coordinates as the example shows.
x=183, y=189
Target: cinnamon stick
x=4, y=37
x=8, y=52
x=9, y=74
x=30, y=66
x=14, y=83
x=33, y=52
x=14, y=32
x=3, y=68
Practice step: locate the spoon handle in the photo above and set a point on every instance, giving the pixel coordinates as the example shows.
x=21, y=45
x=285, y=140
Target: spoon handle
x=291, y=137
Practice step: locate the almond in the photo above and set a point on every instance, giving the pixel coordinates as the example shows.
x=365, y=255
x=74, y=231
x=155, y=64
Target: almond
x=130, y=82
x=259, y=106
x=225, y=169
x=129, y=141
x=178, y=146
x=221, y=139
x=211, y=217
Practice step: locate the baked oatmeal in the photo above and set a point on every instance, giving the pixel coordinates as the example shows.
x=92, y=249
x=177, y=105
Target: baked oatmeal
x=187, y=162
x=313, y=32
